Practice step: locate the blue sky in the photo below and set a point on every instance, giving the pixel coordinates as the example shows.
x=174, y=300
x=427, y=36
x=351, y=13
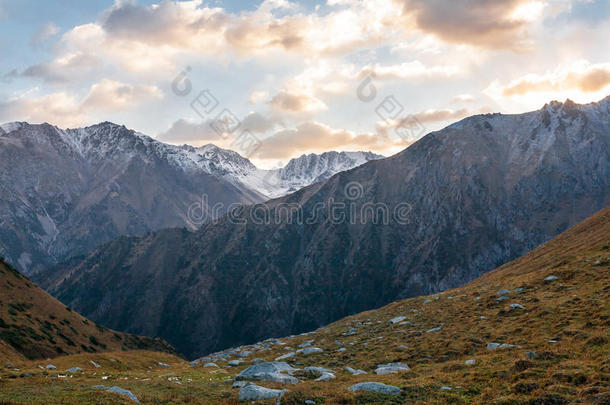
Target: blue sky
x=288, y=72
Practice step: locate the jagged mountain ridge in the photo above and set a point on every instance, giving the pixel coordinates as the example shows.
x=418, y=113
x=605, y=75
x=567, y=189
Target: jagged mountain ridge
x=65, y=192
x=482, y=191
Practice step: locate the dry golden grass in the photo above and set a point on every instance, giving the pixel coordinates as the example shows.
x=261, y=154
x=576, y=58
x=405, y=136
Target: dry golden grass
x=565, y=322
x=35, y=325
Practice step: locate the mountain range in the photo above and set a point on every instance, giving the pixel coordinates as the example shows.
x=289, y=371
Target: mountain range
x=64, y=192
x=454, y=205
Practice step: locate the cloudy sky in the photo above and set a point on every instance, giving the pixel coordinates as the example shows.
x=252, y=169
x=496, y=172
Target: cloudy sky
x=296, y=77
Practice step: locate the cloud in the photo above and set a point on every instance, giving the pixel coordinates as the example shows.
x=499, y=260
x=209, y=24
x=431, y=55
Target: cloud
x=463, y=98
x=581, y=76
x=425, y=117
x=192, y=133
x=312, y=136
x=67, y=68
x=409, y=70
x=296, y=102
x=202, y=132
x=43, y=33
x=66, y=109
x=258, y=96
x=110, y=95
x=485, y=23
x=60, y=108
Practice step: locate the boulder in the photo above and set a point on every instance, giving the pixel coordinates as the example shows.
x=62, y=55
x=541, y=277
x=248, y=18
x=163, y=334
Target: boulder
x=285, y=356
x=310, y=350
x=50, y=367
x=551, y=278
x=94, y=364
x=74, y=370
x=210, y=365
x=376, y=387
x=391, y=368
x=252, y=392
x=119, y=391
x=269, y=371
x=325, y=377
x=164, y=365
x=397, y=319
x=494, y=346
x=503, y=291
x=470, y=362
x=516, y=306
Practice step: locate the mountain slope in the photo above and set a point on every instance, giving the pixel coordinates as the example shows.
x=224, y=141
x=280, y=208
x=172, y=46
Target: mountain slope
x=65, y=192
x=559, y=341
x=459, y=203
x=34, y=325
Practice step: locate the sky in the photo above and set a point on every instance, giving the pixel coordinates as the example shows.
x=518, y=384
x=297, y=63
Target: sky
x=275, y=79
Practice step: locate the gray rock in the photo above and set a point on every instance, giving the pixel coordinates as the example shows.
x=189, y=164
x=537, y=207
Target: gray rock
x=310, y=402
x=257, y=360
x=310, y=350
x=164, y=365
x=50, y=367
x=376, y=387
x=350, y=332
x=269, y=371
x=285, y=356
x=94, y=364
x=503, y=292
x=74, y=370
x=427, y=301
x=341, y=349
x=446, y=388
x=405, y=323
x=239, y=384
x=494, y=346
x=434, y=329
x=551, y=278
x=306, y=344
x=502, y=298
x=318, y=371
x=519, y=289
x=397, y=319
x=119, y=391
x=355, y=372
x=391, y=368
x=470, y=362
x=325, y=377
x=516, y=306
x=252, y=392
x=210, y=365
x=234, y=363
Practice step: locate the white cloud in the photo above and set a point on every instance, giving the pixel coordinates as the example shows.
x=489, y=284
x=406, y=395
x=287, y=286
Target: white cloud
x=44, y=33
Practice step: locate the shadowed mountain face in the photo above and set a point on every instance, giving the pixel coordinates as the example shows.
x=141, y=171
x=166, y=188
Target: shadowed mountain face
x=456, y=204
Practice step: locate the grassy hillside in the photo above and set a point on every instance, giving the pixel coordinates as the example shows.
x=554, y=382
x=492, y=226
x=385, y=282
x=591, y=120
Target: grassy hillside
x=560, y=352
x=34, y=325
